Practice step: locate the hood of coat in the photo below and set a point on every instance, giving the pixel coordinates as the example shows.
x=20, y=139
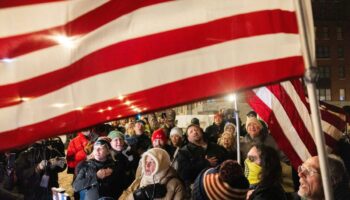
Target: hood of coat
x=160, y=157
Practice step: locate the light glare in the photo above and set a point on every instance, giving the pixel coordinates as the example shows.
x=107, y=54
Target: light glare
x=231, y=97
x=68, y=42
x=59, y=105
x=7, y=60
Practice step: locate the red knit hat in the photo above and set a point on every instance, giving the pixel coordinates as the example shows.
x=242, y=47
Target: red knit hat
x=159, y=134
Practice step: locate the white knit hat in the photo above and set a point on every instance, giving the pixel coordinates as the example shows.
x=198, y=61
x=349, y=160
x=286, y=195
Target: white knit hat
x=176, y=131
x=253, y=120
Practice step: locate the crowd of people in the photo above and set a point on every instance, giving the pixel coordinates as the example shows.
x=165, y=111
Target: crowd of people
x=151, y=158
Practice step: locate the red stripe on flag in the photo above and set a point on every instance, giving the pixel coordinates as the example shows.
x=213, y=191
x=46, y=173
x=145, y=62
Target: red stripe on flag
x=18, y=45
x=332, y=108
x=330, y=141
x=291, y=110
x=143, y=49
x=192, y=89
x=333, y=120
x=276, y=131
x=15, y=3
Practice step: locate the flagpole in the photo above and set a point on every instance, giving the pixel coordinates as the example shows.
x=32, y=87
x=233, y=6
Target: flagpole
x=304, y=14
x=238, y=130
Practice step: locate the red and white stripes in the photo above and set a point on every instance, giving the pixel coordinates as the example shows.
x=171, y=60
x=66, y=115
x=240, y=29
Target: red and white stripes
x=85, y=62
x=285, y=109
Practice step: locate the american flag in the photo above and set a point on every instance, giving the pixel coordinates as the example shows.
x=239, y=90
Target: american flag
x=66, y=65
x=285, y=108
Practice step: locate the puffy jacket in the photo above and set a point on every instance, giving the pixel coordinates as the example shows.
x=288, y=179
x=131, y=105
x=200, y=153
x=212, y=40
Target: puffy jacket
x=75, y=151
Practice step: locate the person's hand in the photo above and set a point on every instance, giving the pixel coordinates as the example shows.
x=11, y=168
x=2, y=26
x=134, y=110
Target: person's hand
x=88, y=148
x=41, y=166
x=212, y=160
x=57, y=162
x=103, y=173
x=249, y=193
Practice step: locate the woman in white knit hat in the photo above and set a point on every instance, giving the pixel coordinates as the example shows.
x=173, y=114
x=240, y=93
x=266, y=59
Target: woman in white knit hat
x=158, y=181
x=256, y=134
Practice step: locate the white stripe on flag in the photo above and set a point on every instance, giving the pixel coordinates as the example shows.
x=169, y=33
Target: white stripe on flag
x=37, y=17
x=176, y=14
x=331, y=130
x=302, y=109
x=172, y=68
x=283, y=120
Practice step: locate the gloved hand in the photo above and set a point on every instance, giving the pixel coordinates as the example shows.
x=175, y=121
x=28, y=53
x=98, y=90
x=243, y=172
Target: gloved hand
x=152, y=191
x=88, y=148
x=57, y=162
x=41, y=166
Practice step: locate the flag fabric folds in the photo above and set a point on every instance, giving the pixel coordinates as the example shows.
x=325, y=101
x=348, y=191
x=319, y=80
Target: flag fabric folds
x=66, y=65
x=284, y=107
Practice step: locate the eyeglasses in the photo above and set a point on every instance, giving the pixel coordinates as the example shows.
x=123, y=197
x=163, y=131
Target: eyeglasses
x=307, y=171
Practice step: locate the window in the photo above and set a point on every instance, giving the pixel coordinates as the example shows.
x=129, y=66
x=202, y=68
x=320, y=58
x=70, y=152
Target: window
x=339, y=33
x=341, y=71
x=322, y=52
x=325, y=33
x=324, y=94
x=340, y=52
x=342, y=94
x=324, y=72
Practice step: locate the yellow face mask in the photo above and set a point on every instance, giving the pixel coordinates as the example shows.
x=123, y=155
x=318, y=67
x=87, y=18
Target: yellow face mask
x=252, y=172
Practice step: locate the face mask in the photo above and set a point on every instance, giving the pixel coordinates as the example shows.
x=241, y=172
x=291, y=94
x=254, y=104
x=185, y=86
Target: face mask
x=252, y=172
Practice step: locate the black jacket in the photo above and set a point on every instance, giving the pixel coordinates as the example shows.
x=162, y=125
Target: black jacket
x=192, y=159
x=111, y=186
x=143, y=143
x=274, y=191
x=213, y=132
x=29, y=179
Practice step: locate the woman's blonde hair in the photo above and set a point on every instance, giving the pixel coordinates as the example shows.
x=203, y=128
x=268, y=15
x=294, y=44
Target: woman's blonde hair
x=231, y=138
x=130, y=129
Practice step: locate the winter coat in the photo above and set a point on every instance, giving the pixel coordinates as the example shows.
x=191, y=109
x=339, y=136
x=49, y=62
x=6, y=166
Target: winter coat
x=164, y=175
x=75, y=151
x=342, y=191
x=143, y=143
x=191, y=159
x=174, y=187
x=274, y=192
x=86, y=179
x=127, y=160
x=213, y=132
x=30, y=179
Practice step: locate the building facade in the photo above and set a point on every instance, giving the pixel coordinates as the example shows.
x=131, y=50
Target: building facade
x=332, y=31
